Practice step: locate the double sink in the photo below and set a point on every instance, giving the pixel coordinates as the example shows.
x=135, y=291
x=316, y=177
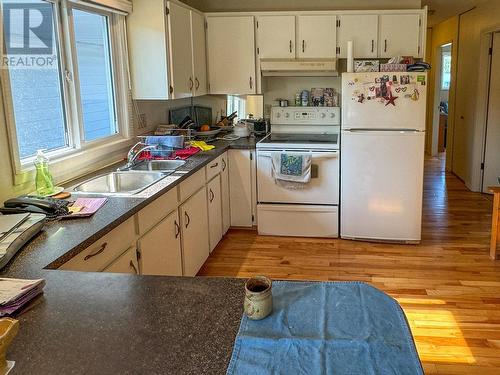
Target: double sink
x=130, y=180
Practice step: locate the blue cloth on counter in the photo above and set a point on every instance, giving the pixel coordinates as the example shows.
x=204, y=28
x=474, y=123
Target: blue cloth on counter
x=326, y=328
x=166, y=143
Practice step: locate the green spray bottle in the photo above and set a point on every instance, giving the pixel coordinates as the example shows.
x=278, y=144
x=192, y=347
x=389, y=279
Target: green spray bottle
x=43, y=180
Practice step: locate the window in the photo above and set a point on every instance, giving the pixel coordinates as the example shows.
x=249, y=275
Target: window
x=236, y=104
x=446, y=67
x=61, y=75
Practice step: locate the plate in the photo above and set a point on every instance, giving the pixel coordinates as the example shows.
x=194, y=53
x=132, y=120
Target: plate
x=57, y=190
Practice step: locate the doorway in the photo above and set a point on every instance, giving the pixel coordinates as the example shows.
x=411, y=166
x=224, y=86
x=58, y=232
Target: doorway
x=442, y=86
x=491, y=158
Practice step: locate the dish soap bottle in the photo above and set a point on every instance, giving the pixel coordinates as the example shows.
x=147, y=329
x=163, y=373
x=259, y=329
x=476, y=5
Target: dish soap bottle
x=43, y=181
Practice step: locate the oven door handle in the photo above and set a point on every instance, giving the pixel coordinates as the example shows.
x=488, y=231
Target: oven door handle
x=329, y=154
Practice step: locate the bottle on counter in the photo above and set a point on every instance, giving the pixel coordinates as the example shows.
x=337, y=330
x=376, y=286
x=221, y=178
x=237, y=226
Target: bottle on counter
x=43, y=181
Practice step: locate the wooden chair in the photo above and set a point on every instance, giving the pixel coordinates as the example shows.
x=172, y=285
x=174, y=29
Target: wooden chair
x=495, y=221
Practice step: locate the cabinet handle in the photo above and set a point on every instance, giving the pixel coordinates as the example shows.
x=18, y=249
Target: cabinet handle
x=101, y=249
x=214, y=165
x=385, y=45
x=188, y=219
x=191, y=83
x=223, y=165
x=373, y=45
x=290, y=46
x=132, y=265
x=177, y=229
x=303, y=45
x=197, y=83
x=251, y=83
x=212, y=195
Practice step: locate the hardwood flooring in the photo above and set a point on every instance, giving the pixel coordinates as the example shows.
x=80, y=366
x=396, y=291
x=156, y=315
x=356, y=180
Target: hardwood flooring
x=448, y=286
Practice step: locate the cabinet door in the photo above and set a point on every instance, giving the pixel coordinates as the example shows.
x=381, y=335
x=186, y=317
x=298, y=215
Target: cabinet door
x=126, y=263
x=399, y=35
x=160, y=248
x=231, y=54
x=214, y=211
x=181, y=65
x=362, y=29
x=147, y=48
x=199, y=53
x=226, y=214
x=317, y=36
x=241, y=189
x=194, y=224
x=276, y=36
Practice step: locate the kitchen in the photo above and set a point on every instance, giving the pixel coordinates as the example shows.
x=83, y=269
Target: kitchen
x=123, y=285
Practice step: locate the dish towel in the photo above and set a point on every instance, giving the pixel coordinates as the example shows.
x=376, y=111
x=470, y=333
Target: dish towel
x=184, y=153
x=165, y=144
x=203, y=146
x=291, y=171
x=323, y=328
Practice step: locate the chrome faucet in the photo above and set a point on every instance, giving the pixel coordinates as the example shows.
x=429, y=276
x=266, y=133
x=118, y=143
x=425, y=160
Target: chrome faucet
x=133, y=154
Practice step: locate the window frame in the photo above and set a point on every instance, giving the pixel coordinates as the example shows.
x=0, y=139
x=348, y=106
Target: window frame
x=73, y=114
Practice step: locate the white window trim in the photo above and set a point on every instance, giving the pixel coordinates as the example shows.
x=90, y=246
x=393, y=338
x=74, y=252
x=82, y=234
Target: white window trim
x=78, y=158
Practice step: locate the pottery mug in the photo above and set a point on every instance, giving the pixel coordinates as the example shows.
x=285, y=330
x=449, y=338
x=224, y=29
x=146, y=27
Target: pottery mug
x=258, y=297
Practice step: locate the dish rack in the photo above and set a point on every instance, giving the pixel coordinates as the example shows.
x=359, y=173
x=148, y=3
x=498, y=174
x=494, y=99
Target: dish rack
x=165, y=151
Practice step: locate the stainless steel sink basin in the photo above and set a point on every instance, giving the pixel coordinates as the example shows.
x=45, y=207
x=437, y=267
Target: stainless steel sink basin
x=120, y=183
x=157, y=165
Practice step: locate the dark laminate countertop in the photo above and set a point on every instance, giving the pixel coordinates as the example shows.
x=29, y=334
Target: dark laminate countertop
x=100, y=323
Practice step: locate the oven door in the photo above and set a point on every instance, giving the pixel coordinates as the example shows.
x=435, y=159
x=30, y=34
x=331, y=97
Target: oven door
x=322, y=189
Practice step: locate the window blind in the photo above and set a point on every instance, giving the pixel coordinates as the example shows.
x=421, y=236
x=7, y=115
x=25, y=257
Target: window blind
x=119, y=5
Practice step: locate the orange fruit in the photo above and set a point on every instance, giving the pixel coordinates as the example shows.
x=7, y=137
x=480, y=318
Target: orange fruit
x=205, y=128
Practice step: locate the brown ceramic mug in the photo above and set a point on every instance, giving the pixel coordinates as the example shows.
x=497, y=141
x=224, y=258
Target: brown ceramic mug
x=258, y=297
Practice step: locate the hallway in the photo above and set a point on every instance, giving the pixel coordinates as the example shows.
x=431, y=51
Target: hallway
x=448, y=286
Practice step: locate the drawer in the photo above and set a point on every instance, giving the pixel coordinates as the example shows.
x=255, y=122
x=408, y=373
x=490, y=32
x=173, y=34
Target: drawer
x=102, y=252
x=214, y=168
x=191, y=185
x=126, y=263
x=156, y=211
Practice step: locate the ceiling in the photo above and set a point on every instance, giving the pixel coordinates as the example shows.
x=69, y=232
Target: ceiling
x=440, y=10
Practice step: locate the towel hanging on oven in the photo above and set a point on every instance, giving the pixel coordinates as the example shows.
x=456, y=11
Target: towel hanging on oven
x=291, y=170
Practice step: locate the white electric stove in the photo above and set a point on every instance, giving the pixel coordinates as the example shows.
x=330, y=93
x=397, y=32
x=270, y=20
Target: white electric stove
x=312, y=209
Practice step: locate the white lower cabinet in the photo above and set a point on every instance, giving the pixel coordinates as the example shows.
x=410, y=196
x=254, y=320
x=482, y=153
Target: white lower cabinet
x=214, y=211
x=125, y=263
x=160, y=248
x=194, y=231
x=224, y=192
x=242, y=189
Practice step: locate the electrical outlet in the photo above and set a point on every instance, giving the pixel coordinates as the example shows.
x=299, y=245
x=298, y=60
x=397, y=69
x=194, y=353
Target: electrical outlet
x=142, y=121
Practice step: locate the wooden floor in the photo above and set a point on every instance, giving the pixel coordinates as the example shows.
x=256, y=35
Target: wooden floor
x=448, y=286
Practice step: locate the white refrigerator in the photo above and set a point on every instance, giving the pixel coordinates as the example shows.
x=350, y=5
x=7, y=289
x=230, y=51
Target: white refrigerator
x=382, y=155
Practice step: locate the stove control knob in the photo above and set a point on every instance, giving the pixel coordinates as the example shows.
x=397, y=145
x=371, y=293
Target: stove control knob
x=278, y=115
x=332, y=115
x=287, y=115
x=323, y=115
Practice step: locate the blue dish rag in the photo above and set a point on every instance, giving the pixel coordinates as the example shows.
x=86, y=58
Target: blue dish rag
x=326, y=328
x=165, y=143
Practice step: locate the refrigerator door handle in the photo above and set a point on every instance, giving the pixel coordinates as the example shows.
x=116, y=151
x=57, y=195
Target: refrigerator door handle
x=367, y=130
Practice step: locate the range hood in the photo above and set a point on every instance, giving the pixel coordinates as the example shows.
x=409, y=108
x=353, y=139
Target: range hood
x=299, y=67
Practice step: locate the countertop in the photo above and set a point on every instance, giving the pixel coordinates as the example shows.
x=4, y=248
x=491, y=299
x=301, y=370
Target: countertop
x=111, y=323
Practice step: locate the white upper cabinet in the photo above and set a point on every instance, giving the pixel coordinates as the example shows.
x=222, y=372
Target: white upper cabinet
x=147, y=46
x=181, y=69
x=276, y=36
x=199, y=54
x=317, y=36
x=399, y=35
x=362, y=29
x=231, y=54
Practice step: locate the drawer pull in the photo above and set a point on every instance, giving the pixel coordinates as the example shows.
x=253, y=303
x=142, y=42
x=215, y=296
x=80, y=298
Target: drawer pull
x=177, y=229
x=101, y=249
x=134, y=268
x=188, y=219
x=212, y=196
x=214, y=165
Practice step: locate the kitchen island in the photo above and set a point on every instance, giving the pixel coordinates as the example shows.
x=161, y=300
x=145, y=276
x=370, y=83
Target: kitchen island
x=89, y=322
